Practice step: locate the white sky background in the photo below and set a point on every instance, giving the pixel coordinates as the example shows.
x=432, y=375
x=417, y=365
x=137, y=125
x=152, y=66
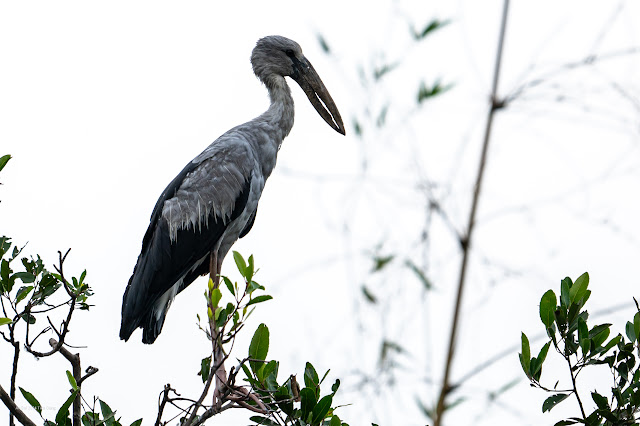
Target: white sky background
x=102, y=104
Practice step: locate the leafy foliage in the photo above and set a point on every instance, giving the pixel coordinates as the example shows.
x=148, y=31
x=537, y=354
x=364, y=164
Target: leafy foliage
x=282, y=402
x=566, y=324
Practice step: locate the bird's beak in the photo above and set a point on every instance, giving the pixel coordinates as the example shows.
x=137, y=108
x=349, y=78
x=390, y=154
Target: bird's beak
x=309, y=80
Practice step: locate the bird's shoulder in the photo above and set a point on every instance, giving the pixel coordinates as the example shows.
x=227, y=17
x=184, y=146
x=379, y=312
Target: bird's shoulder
x=210, y=183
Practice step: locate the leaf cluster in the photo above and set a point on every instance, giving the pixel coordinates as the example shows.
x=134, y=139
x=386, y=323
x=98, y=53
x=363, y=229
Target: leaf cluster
x=279, y=402
x=582, y=345
x=289, y=405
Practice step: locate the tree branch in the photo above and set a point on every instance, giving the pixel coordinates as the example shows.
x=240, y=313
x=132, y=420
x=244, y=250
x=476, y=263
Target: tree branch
x=74, y=359
x=14, y=370
x=165, y=397
x=14, y=409
x=465, y=242
x=65, y=324
x=575, y=389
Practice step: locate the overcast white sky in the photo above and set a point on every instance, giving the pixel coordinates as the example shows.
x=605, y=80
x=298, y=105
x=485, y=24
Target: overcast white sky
x=101, y=104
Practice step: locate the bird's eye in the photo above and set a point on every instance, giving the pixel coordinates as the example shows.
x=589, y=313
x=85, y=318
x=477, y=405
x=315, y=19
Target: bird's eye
x=290, y=53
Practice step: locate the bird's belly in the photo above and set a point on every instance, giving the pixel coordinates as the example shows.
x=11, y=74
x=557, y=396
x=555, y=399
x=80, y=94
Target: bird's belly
x=233, y=231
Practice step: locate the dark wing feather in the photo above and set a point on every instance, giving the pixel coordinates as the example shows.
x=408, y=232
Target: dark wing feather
x=249, y=224
x=175, y=250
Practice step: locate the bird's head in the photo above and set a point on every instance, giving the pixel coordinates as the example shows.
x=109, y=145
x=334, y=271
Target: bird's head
x=275, y=57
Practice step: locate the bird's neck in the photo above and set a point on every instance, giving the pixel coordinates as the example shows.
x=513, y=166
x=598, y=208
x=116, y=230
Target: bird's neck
x=278, y=120
x=281, y=111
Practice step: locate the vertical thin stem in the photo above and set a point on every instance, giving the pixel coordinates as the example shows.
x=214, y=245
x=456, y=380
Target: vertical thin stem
x=465, y=241
x=14, y=372
x=575, y=389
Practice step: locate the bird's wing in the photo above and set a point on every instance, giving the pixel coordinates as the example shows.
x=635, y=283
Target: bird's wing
x=249, y=224
x=188, y=220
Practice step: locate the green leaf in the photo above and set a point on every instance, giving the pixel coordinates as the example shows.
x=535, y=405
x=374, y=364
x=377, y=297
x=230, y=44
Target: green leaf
x=426, y=283
x=250, y=268
x=579, y=288
x=4, y=275
x=137, y=423
x=552, y=401
x=259, y=299
x=216, y=295
x=263, y=421
x=323, y=44
x=614, y=341
x=357, y=128
x=542, y=355
x=31, y=400
x=72, y=381
x=383, y=70
x=379, y=262
x=229, y=285
x=89, y=418
x=270, y=375
x=221, y=316
x=28, y=318
x=371, y=298
x=335, y=421
x=308, y=401
x=600, y=338
x=630, y=332
x=22, y=293
x=4, y=160
x=321, y=409
x=107, y=414
x=326, y=373
x=285, y=400
x=63, y=412
x=311, y=379
x=565, y=285
x=547, y=308
x=437, y=88
x=636, y=324
x=525, y=355
x=246, y=371
x=429, y=28
x=600, y=401
x=205, y=368
x=583, y=335
x=335, y=386
x=4, y=321
x=240, y=263
x=254, y=286
x=259, y=347
x=25, y=277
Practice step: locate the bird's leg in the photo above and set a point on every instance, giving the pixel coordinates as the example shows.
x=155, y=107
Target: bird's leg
x=216, y=339
x=214, y=270
x=238, y=395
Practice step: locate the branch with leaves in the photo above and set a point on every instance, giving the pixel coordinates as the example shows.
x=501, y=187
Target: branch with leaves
x=566, y=323
x=274, y=403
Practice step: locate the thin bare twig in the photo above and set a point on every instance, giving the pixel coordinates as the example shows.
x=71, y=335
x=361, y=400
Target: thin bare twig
x=575, y=389
x=64, y=329
x=163, y=402
x=465, y=242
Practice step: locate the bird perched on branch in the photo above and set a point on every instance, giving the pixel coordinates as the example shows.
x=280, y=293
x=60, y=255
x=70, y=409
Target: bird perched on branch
x=213, y=201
